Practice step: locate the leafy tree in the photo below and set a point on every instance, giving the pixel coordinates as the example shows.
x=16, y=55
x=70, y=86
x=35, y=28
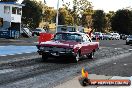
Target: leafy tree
x=65, y=18
x=61, y=16
x=99, y=20
x=49, y=13
x=108, y=17
x=69, y=20
x=122, y=21
x=80, y=7
x=87, y=18
x=32, y=13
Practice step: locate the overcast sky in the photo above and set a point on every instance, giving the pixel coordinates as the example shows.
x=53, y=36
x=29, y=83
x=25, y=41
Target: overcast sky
x=106, y=5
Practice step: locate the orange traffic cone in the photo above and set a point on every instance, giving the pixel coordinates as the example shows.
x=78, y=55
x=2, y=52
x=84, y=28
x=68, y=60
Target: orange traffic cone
x=84, y=73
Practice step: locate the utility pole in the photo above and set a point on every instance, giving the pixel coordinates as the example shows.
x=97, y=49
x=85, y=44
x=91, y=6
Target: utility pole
x=57, y=15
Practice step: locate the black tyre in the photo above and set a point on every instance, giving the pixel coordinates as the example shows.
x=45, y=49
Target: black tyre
x=44, y=57
x=77, y=57
x=91, y=55
x=127, y=43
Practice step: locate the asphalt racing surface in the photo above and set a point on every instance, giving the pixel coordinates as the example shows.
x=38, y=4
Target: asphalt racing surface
x=119, y=67
x=114, y=58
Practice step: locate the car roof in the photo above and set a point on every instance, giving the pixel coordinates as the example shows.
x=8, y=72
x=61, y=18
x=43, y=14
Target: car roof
x=72, y=33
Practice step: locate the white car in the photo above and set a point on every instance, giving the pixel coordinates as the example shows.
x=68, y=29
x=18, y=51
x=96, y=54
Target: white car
x=129, y=40
x=37, y=31
x=106, y=36
x=98, y=35
x=115, y=36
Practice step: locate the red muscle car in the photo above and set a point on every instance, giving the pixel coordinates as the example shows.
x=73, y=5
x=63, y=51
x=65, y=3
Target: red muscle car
x=69, y=44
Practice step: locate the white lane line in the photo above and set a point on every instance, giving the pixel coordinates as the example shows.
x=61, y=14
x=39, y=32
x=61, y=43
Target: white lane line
x=125, y=64
x=3, y=55
x=28, y=52
x=118, y=48
x=114, y=63
x=11, y=54
x=130, y=49
x=6, y=71
x=15, y=54
x=2, y=46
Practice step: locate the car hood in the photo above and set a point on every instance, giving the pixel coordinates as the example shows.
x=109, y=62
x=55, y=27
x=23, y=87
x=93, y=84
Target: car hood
x=64, y=44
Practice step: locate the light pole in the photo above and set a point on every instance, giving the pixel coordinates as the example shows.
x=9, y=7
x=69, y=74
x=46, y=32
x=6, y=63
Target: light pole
x=57, y=15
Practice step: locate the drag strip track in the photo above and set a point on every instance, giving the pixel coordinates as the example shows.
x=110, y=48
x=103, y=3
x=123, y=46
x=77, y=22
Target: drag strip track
x=27, y=72
x=53, y=69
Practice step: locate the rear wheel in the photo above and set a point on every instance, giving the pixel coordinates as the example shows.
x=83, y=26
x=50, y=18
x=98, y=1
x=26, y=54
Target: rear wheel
x=44, y=57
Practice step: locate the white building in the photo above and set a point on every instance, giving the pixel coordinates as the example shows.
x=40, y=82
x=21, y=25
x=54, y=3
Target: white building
x=11, y=12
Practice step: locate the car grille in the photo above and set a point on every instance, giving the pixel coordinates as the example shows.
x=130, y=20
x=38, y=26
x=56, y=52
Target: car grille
x=56, y=49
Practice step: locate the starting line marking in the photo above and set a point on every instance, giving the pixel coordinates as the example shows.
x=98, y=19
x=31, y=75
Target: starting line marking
x=6, y=71
x=14, y=54
x=3, y=55
x=130, y=49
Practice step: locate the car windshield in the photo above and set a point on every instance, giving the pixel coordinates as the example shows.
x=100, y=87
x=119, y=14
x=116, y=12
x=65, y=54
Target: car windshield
x=68, y=37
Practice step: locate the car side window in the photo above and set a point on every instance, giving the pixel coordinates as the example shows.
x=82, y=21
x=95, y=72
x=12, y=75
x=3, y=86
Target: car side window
x=58, y=37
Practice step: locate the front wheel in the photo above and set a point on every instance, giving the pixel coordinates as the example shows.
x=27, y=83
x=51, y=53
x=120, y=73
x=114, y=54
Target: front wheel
x=127, y=43
x=91, y=55
x=44, y=57
x=77, y=57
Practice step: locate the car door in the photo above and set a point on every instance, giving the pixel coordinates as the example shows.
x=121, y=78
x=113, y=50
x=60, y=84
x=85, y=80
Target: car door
x=85, y=45
x=89, y=44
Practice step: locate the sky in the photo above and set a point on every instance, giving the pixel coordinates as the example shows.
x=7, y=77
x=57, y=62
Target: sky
x=106, y=5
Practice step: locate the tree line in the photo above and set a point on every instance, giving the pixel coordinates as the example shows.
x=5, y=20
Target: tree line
x=81, y=13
